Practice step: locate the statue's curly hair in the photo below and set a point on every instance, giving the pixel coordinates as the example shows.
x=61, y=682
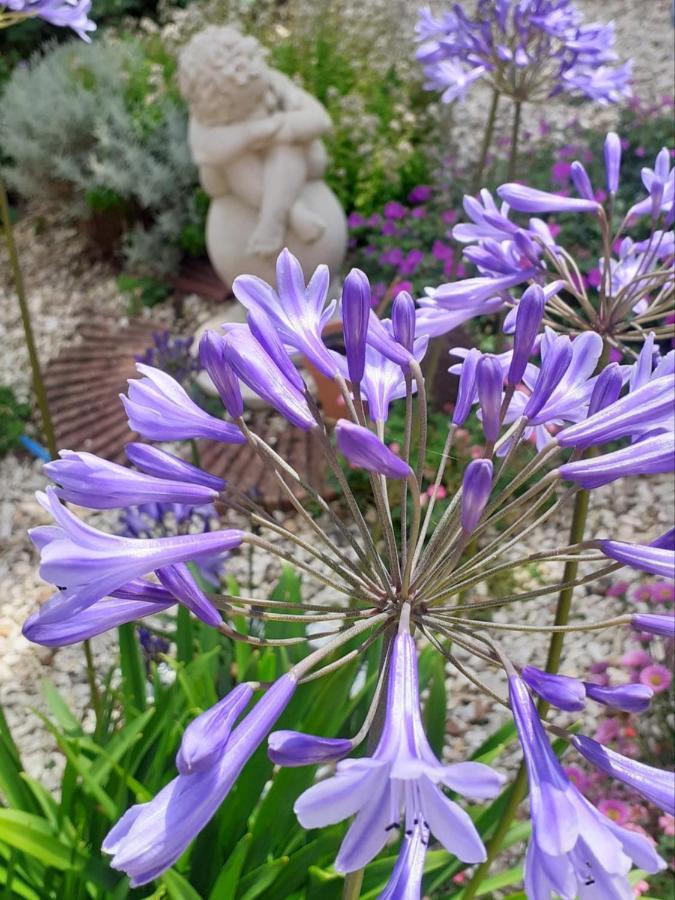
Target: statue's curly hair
x=219, y=67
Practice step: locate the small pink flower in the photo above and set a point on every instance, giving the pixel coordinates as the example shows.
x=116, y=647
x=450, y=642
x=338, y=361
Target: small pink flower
x=401, y=286
x=657, y=677
x=663, y=592
x=618, y=589
x=395, y=210
x=607, y=731
x=440, y=492
x=642, y=593
x=449, y=217
x=615, y=810
x=441, y=251
x=419, y=213
x=615, y=355
x=667, y=824
x=461, y=434
x=636, y=658
x=578, y=778
x=476, y=451
x=640, y=152
x=640, y=888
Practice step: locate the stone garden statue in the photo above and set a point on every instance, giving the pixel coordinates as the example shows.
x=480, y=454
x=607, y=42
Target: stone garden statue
x=256, y=137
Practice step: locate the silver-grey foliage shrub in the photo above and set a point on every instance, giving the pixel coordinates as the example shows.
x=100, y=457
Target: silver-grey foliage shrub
x=99, y=126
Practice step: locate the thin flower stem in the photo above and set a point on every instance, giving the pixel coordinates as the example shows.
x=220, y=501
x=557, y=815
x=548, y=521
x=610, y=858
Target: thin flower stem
x=562, y=629
x=414, y=531
x=227, y=599
x=343, y=637
x=432, y=500
x=348, y=657
x=513, y=150
x=422, y=410
x=486, y=142
x=407, y=439
x=38, y=383
x=275, y=550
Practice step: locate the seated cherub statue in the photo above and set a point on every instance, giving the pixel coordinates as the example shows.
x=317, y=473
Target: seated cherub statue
x=254, y=135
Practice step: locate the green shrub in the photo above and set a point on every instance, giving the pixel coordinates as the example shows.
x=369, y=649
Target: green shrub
x=100, y=129
x=13, y=417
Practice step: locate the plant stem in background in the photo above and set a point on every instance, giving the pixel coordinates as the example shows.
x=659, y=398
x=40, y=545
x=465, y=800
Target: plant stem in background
x=487, y=141
x=515, y=129
x=38, y=384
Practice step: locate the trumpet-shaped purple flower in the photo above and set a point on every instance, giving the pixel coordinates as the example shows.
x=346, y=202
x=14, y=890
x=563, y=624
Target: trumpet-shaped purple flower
x=150, y=837
x=573, y=846
x=405, y=882
x=88, y=564
x=355, y=315
x=264, y=332
x=555, y=365
x=292, y=748
x=403, y=320
x=161, y=464
x=664, y=626
x=212, y=354
x=476, y=490
x=402, y=776
x=259, y=371
x=206, y=737
x=560, y=691
x=531, y=200
x=88, y=480
x=657, y=558
x=530, y=312
x=648, y=457
x=433, y=319
x=160, y=409
x=612, y=161
x=606, y=389
x=630, y=698
x=366, y=451
x=178, y=580
x=646, y=410
x=656, y=785
x=489, y=381
x=61, y=13
x=134, y=601
x=466, y=390
x=380, y=336
x=298, y=313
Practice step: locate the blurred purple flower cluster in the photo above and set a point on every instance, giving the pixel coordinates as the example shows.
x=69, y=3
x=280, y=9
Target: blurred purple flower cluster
x=171, y=355
x=527, y=49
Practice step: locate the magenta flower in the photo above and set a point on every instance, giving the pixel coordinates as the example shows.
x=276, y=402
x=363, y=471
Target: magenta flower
x=657, y=677
x=402, y=776
x=615, y=810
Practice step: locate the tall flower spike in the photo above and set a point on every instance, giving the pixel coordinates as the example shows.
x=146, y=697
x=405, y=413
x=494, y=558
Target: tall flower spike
x=402, y=777
x=355, y=314
x=366, y=451
x=88, y=564
x=96, y=483
x=212, y=356
x=160, y=409
x=150, y=837
x=572, y=844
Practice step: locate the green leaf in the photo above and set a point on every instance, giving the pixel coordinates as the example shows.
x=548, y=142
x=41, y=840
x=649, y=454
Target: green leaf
x=434, y=708
x=34, y=836
x=225, y=887
x=320, y=851
x=12, y=787
x=60, y=710
x=133, y=674
x=177, y=888
x=184, y=636
x=17, y=886
x=497, y=882
x=257, y=881
x=119, y=745
x=496, y=743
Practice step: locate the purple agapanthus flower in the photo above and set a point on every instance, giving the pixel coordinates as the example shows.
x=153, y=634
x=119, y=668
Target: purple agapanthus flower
x=366, y=451
x=133, y=601
x=530, y=50
x=88, y=564
x=150, y=837
x=401, y=777
x=573, y=847
x=88, y=480
x=657, y=558
x=62, y=13
x=651, y=456
x=160, y=409
x=298, y=312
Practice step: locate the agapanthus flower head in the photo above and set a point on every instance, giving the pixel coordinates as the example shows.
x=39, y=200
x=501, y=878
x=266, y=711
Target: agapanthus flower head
x=634, y=285
x=529, y=51
x=392, y=570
